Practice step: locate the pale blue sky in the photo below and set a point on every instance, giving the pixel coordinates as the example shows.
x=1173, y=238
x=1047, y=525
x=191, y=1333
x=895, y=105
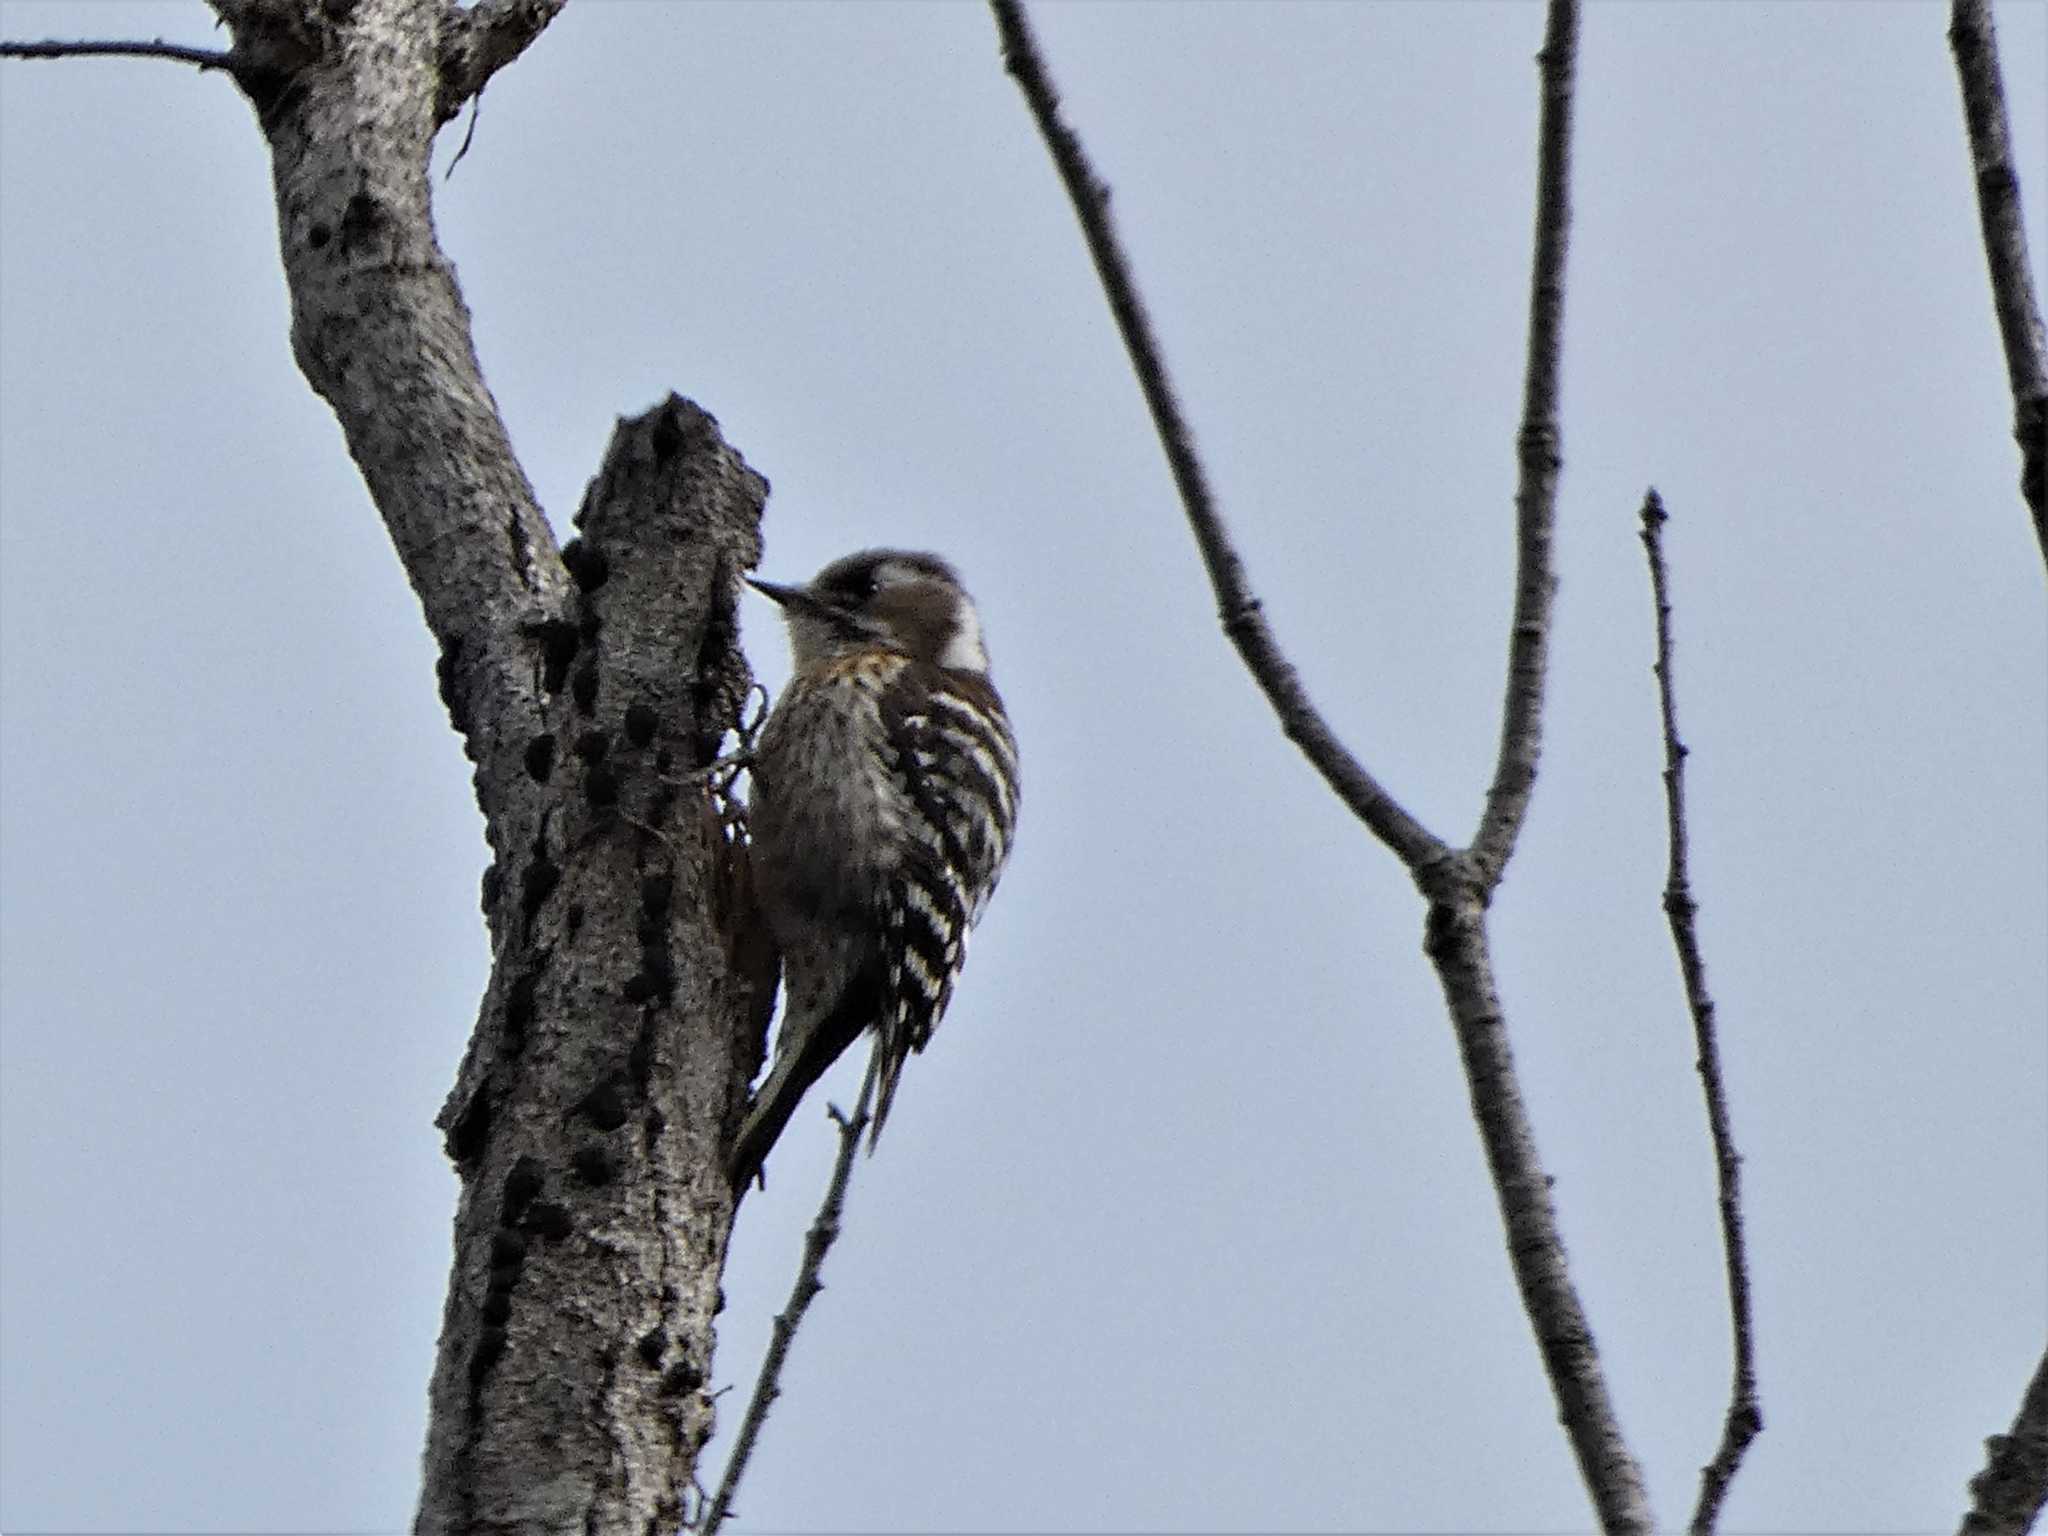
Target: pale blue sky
x=1182, y=1223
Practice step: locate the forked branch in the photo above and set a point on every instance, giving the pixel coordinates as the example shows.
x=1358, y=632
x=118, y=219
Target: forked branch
x=1457, y=884
x=1744, y=1420
x=476, y=41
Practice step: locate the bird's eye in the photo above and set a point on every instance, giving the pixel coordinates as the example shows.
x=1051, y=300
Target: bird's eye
x=857, y=586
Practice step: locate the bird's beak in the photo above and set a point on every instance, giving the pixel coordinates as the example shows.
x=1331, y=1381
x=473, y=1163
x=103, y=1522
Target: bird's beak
x=774, y=589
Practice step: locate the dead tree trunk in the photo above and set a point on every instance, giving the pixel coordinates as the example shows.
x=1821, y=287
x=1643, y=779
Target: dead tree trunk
x=591, y=686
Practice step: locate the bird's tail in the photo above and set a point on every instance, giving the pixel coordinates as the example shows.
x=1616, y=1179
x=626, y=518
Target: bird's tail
x=806, y=1047
x=767, y=1115
x=890, y=1054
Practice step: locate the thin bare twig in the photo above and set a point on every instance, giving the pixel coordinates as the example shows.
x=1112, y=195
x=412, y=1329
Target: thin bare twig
x=199, y=58
x=2007, y=1496
x=1243, y=619
x=1745, y=1418
x=1539, y=451
x=476, y=106
x=1974, y=41
x=817, y=1243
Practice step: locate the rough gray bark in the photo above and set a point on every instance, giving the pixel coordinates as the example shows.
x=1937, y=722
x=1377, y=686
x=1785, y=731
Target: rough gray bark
x=627, y=1003
x=624, y=1019
x=2006, y=1498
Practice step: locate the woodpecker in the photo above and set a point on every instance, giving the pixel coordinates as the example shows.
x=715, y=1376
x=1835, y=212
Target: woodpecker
x=883, y=799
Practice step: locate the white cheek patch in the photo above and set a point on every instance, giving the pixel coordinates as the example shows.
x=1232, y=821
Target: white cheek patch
x=964, y=651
